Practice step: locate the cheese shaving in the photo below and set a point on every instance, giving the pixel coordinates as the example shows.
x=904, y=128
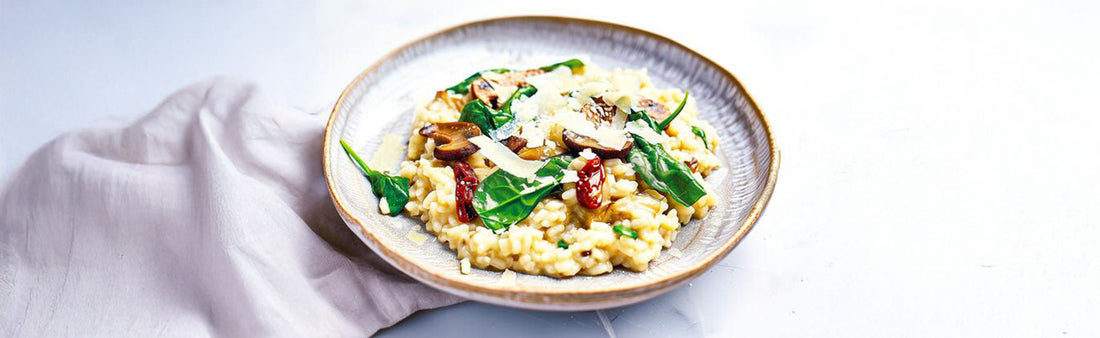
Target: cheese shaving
x=508, y=278
x=570, y=176
x=505, y=158
x=464, y=266
x=587, y=154
x=604, y=135
x=383, y=206
x=639, y=128
x=389, y=153
x=416, y=237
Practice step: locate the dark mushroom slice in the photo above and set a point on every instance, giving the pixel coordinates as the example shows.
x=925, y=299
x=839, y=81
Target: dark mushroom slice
x=540, y=153
x=656, y=110
x=517, y=77
x=483, y=90
x=693, y=164
x=515, y=143
x=598, y=112
x=452, y=139
x=577, y=142
x=452, y=101
x=519, y=146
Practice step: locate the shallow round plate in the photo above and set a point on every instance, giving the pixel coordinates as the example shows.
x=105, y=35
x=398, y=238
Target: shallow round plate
x=382, y=98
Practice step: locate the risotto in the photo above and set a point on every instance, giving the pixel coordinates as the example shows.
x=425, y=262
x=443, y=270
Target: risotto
x=560, y=170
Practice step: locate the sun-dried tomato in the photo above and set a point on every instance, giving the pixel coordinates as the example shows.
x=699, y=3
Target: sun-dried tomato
x=590, y=185
x=465, y=185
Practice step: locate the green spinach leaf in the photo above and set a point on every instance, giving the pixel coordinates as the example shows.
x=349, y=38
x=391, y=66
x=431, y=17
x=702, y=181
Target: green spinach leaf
x=394, y=189
x=505, y=114
x=664, y=173
x=496, y=124
x=478, y=113
x=574, y=64
x=464, y=86
x=664, y=124
x=703, y=135
x=503, y=199
x=642, y=115
x=621, y=230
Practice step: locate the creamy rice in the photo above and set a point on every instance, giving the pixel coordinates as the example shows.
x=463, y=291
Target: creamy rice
x=593, y=247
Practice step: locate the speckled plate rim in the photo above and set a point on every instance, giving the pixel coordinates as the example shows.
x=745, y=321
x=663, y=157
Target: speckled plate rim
x=516, y=296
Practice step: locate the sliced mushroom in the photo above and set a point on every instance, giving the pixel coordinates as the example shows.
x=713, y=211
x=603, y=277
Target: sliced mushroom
x=483, y=90
x=577, y=142
x=518, y=78
x=540, y=153
x=452, y=101
x=693, y=164
x=452, y=139
x=598, y=113
x=519, y=146
x=515, y=143
x=655, y=109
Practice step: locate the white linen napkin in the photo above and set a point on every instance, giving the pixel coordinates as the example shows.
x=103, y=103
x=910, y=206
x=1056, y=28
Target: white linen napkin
x=209, y=216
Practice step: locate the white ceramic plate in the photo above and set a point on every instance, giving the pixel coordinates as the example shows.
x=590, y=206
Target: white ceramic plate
x=381, y=100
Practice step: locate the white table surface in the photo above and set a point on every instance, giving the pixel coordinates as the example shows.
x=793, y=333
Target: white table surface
x=939, y=171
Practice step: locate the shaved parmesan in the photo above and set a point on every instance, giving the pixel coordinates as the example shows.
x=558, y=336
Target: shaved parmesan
x=505, y=91
x=508, y=278
x=504, y=158
x=383, y=206
x=570, y=176
x=587, y=154
x=637, y=127
x=464, y=266
x=605, y=135
x=390, y=152
x=416, y=237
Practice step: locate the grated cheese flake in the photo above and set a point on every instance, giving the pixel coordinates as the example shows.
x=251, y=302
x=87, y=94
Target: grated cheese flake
x=504, y=158
x=508, y=278
x=416, y=236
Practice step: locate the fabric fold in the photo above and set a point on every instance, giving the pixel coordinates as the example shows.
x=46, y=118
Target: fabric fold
x=208, y=216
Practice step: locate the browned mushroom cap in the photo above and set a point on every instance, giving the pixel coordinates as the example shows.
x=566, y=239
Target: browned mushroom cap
x=597, y=113
x=600, y=112
x=519, y=146
x=577, y=142
x=515, y=143
x=483, y=90
x=518, y=77
x=656, y=111
x=540, y=153
x=452, y=139
x=693, y=164
x=453, y=102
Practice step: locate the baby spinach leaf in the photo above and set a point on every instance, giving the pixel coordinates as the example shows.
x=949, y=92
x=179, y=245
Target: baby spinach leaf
x=394, y=189
x=703, y=135
x=642, y=115
x=478, y=113
x=464, y=86
x=505, y=114
x=664, y=124
x=621, y=230
x=663, y=173
x=503, y=199
x=496, y=124
x=574, y=64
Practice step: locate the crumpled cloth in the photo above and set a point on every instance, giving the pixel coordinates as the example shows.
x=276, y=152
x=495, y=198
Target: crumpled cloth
x=207, y=217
